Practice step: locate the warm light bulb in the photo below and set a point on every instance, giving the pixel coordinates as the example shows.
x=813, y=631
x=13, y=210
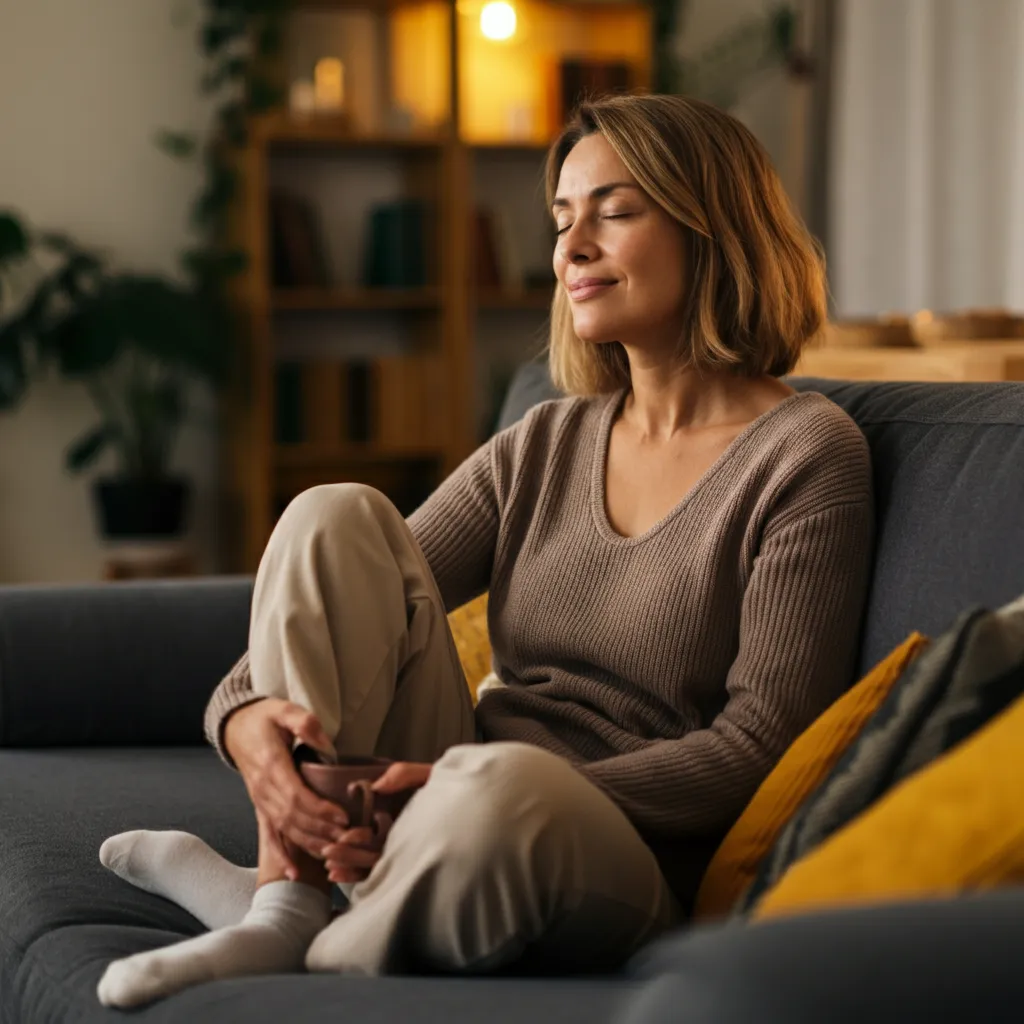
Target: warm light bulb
x=498, y=20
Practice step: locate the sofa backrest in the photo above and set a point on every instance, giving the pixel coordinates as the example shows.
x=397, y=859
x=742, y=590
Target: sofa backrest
x=949, y=486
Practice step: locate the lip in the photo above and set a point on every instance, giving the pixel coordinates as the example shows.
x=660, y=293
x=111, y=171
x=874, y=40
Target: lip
x=586, y=287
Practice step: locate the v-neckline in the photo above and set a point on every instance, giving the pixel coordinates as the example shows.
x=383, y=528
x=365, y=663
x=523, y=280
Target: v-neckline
x=599, y=473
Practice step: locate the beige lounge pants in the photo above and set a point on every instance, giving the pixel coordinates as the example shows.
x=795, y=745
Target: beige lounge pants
x=508, y=853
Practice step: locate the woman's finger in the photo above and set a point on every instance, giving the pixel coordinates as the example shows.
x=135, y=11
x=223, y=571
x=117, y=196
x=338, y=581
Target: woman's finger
x=340, y=855
x=283, y=777
x=401, y=776
x=361, y=838
x=348, y=876
x=305, y=726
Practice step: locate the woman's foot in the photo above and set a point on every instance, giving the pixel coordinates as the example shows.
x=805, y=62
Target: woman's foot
x=183, y=869
x=273, y=938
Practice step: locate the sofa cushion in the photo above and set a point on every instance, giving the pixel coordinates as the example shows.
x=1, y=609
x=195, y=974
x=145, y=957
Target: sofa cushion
x=63, y=917
x=949, y=485
x=944, y=962
x=808, y=760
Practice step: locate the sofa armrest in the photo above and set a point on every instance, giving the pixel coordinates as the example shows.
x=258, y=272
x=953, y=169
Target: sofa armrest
x=116, y=664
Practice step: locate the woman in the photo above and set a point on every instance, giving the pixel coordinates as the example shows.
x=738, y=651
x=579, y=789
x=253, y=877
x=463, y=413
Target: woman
x=677, y=559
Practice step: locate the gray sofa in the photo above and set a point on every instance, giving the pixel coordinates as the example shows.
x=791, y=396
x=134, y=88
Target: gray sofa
x=101, y=695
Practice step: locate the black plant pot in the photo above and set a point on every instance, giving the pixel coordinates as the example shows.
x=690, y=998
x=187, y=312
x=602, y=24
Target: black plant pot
x=141, y=509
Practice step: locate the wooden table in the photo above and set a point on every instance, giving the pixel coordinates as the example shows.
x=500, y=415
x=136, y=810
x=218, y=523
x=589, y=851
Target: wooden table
x=963, y=361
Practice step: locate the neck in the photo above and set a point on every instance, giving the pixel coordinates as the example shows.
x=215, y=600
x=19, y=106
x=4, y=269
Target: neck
x=666, y=399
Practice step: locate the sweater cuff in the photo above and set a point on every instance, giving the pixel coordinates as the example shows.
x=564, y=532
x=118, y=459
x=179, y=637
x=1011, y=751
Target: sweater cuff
x=234, y=692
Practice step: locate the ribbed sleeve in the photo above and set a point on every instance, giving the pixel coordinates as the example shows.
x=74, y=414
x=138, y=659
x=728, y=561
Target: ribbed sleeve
x=799, y=628
x=457, y=526
x=233, y=692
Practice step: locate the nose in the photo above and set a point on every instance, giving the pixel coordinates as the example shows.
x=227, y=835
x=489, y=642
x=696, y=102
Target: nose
x=576, y=246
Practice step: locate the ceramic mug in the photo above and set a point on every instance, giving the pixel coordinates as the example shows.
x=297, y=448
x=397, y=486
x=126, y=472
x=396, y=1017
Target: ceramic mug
x=348, y=783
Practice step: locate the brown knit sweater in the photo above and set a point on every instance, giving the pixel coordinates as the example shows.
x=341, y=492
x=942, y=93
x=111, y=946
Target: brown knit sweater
x=674, y=668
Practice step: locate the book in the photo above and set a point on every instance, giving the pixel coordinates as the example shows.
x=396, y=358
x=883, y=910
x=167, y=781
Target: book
x=297, y=249
x=288, y=405
x=394, y=255
x=484, y=256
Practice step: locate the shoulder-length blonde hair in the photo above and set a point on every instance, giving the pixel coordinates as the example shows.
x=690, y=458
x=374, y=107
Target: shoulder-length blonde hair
x=756, y=279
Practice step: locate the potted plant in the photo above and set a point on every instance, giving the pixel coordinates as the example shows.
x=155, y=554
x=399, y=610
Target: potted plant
x=138, y=343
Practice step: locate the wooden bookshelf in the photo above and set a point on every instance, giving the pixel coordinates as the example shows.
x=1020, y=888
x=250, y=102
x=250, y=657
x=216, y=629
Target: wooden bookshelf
x=477, y=116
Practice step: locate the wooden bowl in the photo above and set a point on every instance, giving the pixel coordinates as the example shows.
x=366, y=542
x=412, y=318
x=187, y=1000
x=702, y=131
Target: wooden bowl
x=930, y=329
x=870, y=332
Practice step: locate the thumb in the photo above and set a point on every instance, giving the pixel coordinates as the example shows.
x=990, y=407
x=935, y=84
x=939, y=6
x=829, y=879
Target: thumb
x=306, y=727
x=401, y=776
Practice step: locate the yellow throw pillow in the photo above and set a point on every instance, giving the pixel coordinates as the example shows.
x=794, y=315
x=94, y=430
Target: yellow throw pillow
x=803, y=766
x=957, y=825
x=469, y=628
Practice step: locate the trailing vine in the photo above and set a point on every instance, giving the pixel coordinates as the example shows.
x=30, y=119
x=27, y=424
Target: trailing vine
x=239, y=40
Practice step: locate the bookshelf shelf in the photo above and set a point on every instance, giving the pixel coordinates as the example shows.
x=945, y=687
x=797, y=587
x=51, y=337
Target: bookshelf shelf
x=310, y=456
x=511, y=298
x=330, y=133
x=314, y=300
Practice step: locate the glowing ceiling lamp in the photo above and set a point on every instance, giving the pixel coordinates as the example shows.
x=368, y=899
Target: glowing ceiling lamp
x=498, y=20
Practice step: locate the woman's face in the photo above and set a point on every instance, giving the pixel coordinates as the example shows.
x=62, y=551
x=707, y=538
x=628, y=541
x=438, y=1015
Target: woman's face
x=618, y=254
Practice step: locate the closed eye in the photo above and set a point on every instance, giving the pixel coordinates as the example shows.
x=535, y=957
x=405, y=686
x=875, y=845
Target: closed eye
x=607, y=216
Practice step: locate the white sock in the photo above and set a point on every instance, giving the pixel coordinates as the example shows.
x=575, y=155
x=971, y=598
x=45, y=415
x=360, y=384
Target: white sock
x=183, y=869
x=272, y=939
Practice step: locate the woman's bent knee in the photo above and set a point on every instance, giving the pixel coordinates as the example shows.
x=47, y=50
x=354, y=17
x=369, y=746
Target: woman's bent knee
x=329, y=505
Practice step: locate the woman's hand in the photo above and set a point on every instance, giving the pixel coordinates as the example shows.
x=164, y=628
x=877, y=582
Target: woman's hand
x=353, y=856
x=259, y=739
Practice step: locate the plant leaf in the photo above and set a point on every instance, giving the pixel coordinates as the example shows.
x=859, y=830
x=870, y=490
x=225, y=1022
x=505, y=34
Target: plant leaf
x=171, y=325
x=90, y=337
x=213, y=266
x=13, y=237
x=12, y=366
x=262, y=95
x=229, y=70
x=232, y=124
x=218, y=32
x=180, y=145
x=83, y=452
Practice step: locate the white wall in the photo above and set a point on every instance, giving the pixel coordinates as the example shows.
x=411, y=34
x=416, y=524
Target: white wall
x=84, y=85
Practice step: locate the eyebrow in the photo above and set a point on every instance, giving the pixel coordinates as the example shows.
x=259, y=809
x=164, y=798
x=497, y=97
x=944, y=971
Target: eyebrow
x=600, y=192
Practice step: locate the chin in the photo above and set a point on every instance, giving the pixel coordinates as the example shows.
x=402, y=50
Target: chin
x=596, y=333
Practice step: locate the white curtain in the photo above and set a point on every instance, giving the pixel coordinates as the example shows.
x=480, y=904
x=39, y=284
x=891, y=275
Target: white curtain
x=927, y=160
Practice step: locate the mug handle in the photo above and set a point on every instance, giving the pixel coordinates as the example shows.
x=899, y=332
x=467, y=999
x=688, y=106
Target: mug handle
x=380, y=821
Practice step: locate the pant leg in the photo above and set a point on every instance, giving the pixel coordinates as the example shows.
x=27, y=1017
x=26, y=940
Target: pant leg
x=348, y=622
x=507, y=853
